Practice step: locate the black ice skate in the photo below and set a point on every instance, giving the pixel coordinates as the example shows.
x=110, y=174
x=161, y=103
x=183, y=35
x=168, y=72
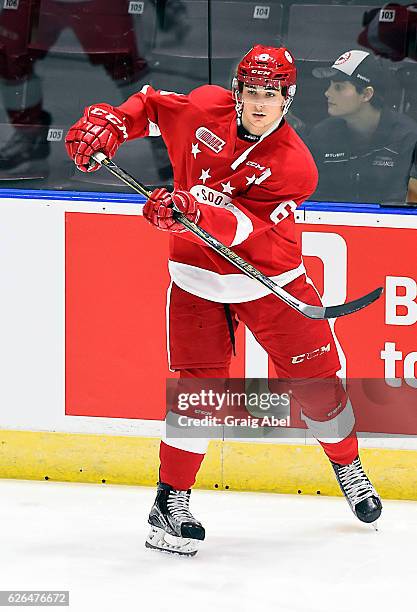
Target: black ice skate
x=359, y=492
x=174, y=529
x=24, y=155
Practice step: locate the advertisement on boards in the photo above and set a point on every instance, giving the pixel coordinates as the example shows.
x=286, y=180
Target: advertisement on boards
x=116, y=280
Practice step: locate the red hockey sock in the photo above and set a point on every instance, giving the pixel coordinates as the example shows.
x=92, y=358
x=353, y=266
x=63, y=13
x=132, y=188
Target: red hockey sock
x=178, y=467
x=343, y=452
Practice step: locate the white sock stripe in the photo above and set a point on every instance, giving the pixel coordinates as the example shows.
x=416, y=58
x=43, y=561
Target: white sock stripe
x=334, y=430
x=174, y=436
x=192, y=445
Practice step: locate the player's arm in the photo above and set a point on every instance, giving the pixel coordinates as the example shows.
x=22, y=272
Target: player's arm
x=242, y=219
x=104, y=127
x=142, y=110
x=220, y=222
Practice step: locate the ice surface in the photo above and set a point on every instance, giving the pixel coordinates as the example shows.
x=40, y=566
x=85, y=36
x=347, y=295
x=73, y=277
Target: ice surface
x=263, y=552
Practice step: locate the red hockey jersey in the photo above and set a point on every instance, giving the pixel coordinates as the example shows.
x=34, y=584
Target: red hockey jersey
x=247, y=192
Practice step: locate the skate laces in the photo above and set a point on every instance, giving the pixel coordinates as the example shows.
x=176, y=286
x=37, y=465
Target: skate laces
x=178, y=502
x=355, y=482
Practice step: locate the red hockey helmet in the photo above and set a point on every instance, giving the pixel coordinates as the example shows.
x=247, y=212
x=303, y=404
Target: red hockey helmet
x=267, y=67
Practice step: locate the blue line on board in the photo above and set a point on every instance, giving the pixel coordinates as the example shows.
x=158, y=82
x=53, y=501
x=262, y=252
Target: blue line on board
x=135, y=198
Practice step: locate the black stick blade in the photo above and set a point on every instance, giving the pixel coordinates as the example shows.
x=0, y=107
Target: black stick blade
x=344, y=309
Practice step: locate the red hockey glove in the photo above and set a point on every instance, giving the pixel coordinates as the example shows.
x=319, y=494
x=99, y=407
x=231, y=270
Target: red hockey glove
x=158, y=209
x=101, y=128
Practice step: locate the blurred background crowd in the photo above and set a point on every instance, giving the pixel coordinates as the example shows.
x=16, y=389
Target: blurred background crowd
x=58, y=56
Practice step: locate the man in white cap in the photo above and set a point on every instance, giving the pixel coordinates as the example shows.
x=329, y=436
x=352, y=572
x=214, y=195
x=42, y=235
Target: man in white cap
x=364, y=151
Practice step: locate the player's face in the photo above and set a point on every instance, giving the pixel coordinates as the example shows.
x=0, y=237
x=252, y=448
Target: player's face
x=261, y=108
x=343, y=99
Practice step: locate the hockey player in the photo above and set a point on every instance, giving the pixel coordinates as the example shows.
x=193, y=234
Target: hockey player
x=239, y=172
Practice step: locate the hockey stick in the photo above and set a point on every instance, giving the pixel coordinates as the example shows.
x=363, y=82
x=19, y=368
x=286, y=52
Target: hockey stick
x=312, y=312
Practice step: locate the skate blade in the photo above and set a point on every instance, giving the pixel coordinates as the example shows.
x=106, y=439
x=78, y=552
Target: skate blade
x=159, y=539
x=375, y=525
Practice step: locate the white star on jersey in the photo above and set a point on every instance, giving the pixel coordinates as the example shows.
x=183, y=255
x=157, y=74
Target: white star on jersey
x=227, y=188
x=195, y=150
x=250, y=179
x=205, y=174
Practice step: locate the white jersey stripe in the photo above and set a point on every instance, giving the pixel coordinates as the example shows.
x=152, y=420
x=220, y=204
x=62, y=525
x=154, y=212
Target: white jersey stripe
x=244, y=224
x=225, y=288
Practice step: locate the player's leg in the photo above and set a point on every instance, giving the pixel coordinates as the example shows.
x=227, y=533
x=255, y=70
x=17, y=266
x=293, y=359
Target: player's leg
x=327, y=411
x=112, y=43
x=173, y=527
x=24, y=153
x=304, y=351
x=199, y=347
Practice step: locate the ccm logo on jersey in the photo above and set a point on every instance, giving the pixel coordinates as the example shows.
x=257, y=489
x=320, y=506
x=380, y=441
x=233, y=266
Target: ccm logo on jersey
x=308, y=356
x=110, y=117
x=255, y=165
x=210, y=139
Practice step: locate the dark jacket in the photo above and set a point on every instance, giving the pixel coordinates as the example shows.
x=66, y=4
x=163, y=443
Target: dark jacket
x=377, y=170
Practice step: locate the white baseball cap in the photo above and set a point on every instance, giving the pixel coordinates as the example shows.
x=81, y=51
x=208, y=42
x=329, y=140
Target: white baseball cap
x=357, y=66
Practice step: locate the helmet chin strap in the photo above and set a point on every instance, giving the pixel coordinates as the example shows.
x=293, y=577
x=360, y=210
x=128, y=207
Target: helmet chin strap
x=238, y=101
x=289, y=99
x=287, y=104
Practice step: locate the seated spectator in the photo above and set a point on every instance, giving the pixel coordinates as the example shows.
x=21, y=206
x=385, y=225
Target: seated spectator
x=364, y=151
